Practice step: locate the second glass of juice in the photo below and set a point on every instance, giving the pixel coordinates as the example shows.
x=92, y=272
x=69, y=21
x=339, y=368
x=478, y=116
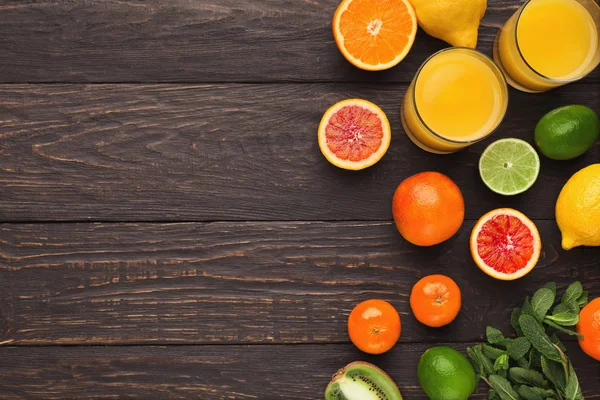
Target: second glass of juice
x=458, y=97
x=549, y=43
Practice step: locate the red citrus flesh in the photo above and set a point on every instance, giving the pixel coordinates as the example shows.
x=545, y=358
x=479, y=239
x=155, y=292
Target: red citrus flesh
x=354, y=133
x=505, y=244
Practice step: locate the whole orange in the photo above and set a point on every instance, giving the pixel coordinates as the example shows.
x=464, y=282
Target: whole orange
x=589, y=327
x=435, y=300
x=428, y=208
x=374, y=326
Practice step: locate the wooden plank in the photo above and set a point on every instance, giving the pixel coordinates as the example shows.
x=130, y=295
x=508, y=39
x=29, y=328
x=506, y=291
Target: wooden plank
x=285, y=282
x=214, y=372
x=193, y=41
x=213, y=152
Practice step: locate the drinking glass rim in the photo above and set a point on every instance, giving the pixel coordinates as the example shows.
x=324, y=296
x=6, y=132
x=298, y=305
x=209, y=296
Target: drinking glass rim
x=554, y=80
x=493, y=65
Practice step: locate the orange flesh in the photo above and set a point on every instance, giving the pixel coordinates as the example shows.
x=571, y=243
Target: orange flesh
x=354, y=133
x=376, y=32
x=505, y=244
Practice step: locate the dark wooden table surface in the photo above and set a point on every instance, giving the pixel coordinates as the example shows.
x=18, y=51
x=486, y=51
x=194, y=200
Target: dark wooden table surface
x=171, y=230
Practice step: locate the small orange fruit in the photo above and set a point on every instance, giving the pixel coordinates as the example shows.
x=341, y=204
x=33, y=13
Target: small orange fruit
x=354, y=134
x=505, y=244
x=374, y=326
x=435, y=300
x=589, y=327
x=374, y=34
x=428, y=208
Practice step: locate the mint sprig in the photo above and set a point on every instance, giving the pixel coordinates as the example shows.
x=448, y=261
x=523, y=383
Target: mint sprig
x=533, y=365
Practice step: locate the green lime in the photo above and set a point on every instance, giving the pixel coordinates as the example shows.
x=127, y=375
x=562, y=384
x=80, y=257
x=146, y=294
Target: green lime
x=445, y=374
x=567, y=132
x=509, y=166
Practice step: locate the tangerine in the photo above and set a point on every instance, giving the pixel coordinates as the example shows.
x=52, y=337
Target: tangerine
x=428, y=208
x=435, y=300
x=374, y=326
x=589, y=327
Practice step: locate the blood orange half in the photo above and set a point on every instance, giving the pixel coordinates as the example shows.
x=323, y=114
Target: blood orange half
x=354, y=134
x=505, y=244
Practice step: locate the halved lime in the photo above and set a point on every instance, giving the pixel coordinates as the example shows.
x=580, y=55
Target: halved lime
x=509, y=166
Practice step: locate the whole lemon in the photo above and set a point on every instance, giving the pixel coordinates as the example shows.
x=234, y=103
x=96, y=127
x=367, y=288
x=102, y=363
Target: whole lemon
x=453, y=21
x=578, y=209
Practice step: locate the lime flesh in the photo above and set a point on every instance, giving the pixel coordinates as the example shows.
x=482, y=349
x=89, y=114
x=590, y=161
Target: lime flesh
x=509, y=166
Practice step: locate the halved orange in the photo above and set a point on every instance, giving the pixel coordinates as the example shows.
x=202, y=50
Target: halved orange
x=354, y=134
x=374, y=34
x=505, y=244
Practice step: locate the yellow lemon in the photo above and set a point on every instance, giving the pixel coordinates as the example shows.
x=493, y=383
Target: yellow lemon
x=578, y=209
x=453, y=21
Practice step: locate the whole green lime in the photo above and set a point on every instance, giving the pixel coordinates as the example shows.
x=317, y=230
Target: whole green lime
x=567, y=132
x=445, y=374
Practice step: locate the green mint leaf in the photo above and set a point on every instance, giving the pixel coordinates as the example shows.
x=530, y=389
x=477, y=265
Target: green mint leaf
x=492, y=352
x=486, y=364
x=528, y=394
x=523, y=362
x=475, y=360
x=554, y=372
x=573, y=292
x=538, y=338
x=542, y=302
x=502, y=363
x=536, y=391
x=526, y=309
x=572, y=390
x=514, y=320
x=551, y=286
x=503, y=387
x=480, y=361
x=492, y=395
x=555, y=340
x=583, y=299
x=564, y=318
x=528, y=377
x=518, y=348
x=568, y=306
x=534, y=359
x=562, y=329
x=493, y=335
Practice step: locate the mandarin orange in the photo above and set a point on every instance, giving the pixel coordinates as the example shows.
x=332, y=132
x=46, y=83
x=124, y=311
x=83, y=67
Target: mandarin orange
x=374, y=326
x=435, y=300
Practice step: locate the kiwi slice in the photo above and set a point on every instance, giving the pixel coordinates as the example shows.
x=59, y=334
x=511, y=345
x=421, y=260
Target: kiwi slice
x=361, y=381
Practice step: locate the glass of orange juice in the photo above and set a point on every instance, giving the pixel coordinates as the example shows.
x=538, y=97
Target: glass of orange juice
x=549, y=43
x=458, y=97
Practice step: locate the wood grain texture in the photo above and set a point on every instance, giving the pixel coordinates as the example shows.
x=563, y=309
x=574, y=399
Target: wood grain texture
x=285, y=282
x=193, y=41
x=230, y=152
x=214, y=372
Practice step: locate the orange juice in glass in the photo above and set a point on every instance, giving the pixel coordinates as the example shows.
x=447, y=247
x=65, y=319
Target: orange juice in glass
x=549, y=43
x=458, y=97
